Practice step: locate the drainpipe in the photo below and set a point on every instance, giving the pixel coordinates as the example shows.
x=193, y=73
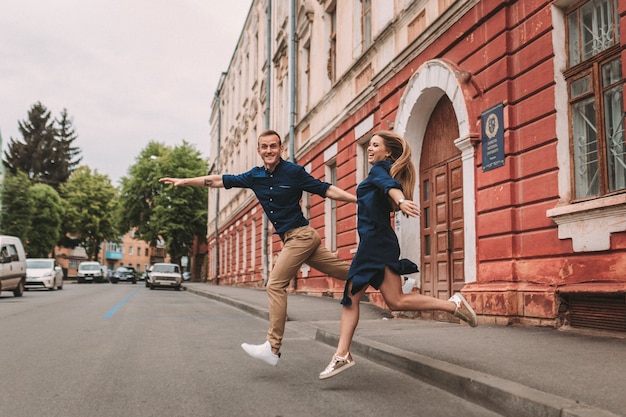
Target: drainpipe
x=292, y=80
x=265, y=233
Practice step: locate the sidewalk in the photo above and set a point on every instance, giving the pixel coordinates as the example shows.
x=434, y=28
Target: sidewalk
x=515, y=371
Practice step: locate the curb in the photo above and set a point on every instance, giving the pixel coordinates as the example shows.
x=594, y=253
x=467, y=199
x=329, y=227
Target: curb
x=254, y=310
x=497, y=394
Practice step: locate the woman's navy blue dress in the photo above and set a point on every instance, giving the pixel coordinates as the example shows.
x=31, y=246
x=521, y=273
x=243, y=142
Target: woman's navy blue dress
x=378, y=244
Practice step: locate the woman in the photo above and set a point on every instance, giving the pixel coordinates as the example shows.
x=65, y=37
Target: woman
x=388, y=187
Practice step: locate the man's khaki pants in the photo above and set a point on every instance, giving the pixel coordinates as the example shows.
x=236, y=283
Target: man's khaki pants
x=300, y=245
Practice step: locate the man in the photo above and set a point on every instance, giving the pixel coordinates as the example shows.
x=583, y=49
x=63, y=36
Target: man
x=278, y=185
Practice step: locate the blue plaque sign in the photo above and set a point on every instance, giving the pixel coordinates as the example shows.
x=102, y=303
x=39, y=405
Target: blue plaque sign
x=492, y=122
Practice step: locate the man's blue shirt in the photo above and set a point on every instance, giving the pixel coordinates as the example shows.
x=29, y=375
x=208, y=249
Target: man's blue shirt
x=279, y=192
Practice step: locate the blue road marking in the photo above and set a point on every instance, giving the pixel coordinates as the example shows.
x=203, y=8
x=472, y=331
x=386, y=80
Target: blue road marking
x=112, y=311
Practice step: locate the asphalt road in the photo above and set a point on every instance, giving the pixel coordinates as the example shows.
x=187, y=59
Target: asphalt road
x=124, y=350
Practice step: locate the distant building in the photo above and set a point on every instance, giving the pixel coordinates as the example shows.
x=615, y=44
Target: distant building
x=69, y=259
x=131, y=252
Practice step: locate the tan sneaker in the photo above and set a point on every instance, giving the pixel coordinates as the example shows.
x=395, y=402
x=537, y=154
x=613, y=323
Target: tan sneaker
x=337, y=364
x=464, y=311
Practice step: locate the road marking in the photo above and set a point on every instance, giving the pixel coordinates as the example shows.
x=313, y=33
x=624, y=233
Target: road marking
x=112, y=311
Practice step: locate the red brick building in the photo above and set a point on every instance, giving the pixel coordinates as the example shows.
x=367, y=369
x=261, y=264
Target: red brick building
x=514, y=111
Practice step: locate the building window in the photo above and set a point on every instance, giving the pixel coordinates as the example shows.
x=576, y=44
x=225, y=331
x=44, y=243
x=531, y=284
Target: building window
x=417, y=26
x=332, y=46
x=305, y=77
x=365, y=164
x=244, y=246
x=331, y=173
x=130, y=250
x=595, y=89
x=253, y=245
x=237, y=250
x=366, y=23
x=444, y=4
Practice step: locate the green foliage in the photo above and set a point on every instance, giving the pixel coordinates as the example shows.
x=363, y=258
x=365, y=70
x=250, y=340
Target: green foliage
x=138, y=191
x=45, y=220
x=17, y=206
x=90, y=205
x=176, y=214
x=45, y=153
x=67, y=155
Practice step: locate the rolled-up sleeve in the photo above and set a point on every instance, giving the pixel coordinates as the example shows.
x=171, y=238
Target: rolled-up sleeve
x=243, y=180
x=381, y=178
x=310, y=184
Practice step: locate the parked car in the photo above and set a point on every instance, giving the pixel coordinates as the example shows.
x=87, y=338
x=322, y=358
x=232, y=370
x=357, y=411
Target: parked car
x=43, y=273
x=124, y=274
x=12, y=265
x=90, y=271
x=165, y=275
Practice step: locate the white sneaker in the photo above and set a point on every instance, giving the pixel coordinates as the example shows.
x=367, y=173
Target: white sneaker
x=464, y=311
x=262, y=352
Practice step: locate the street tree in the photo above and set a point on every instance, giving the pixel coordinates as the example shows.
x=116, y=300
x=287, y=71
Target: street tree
x=68, y=155
x=45, y=221
x=17, y=206
x=175, y=214
x=45, y=152
x=138, y=190
x=181, y=212
x=90, y=202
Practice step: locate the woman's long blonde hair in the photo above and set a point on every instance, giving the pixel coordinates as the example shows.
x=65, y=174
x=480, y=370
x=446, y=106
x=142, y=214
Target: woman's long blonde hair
x=402, y=168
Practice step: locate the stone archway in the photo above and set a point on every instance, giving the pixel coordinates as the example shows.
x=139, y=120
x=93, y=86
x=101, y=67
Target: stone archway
x=424, y=90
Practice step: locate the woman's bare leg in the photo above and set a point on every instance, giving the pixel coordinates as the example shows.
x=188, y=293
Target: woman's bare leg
x=391, y=289
x=349, y=321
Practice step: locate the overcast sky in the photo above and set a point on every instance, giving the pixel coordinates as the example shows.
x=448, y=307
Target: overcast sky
x=127, y=71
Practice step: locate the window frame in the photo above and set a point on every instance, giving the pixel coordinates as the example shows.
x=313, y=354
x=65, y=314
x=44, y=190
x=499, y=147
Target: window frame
x=331, y=67
x=366, y=23
x=591, y=67
x=332, y=226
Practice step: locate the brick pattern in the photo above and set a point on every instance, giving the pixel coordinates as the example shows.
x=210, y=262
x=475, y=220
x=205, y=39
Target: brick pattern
x=507, y=48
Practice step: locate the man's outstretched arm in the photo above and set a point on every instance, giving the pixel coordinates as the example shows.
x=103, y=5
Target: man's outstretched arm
x=337, y=193
x=214, y=181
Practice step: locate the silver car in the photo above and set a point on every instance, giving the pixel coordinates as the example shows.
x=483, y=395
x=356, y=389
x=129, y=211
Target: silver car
x=43, y=273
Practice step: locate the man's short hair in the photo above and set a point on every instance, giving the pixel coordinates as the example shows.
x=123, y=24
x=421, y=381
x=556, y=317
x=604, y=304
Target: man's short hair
x=270, y=132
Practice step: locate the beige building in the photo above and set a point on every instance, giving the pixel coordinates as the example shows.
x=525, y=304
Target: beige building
x=130, y=252
x=69, y=259
x=339, y=54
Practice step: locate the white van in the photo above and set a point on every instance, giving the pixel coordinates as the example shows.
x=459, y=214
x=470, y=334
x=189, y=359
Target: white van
x=90, y=271
x=12, y=265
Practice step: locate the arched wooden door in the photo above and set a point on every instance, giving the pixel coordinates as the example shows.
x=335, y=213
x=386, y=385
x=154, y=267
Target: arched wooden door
x=441, y=199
